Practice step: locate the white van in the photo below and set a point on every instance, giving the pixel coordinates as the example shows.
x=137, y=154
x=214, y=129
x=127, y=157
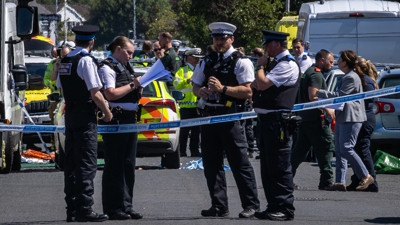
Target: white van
x=369, y=27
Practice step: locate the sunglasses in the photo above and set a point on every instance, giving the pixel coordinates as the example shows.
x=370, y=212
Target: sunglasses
x=157, y=49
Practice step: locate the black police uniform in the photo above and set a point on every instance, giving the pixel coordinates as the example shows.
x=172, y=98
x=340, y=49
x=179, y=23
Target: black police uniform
x=81, y=135
x=120, y=148
x=81, y=139
x=275, y=144
x=312, y=132
x=228, y=138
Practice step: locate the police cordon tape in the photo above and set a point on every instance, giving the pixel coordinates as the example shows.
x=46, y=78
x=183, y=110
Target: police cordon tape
x=203, y=120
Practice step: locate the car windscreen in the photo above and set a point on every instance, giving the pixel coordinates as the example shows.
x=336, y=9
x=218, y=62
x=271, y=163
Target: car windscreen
x=149, y=91
x=392, y=82
x=36, y=68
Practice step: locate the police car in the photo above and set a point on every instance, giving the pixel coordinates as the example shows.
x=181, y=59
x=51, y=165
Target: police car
x=158, y=106
x=36, y=101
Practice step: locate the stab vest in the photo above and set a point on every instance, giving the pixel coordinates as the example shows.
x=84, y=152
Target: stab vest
x=274, y=97
x=225, y=72
x=124, y=76
x=74, y=87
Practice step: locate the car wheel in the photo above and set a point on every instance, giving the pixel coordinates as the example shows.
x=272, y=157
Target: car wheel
x=16, y=165
x=7, y=152
x=171, y=160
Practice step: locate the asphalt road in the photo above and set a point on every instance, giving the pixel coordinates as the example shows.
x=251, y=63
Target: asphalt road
x=35, y=196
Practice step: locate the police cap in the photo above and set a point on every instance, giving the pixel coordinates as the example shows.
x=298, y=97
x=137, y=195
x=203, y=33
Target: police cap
x=85, y=32
x=196, y=52
x=270, y=35
x=221, y=29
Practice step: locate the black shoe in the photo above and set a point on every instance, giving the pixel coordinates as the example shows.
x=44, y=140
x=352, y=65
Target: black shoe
x=351, y=187
x=135, y=215
x=279, y=216
x=119, y=215
x=248, y=213
x=325, y=187
x=257, y=157
x=91, y=217
x=215, y=212
x=70, y=216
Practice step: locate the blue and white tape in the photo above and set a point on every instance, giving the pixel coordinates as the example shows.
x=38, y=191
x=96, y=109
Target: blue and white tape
x=200, y=121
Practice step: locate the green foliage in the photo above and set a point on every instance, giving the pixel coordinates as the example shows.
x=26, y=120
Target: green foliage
x=116, y=18
x=250, y=17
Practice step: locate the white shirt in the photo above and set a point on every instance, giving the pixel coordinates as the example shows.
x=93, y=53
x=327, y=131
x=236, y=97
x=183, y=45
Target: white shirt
x=244, y=70
x=285, y=72
x=108, y=76
x=87, y=70
x=304, y=62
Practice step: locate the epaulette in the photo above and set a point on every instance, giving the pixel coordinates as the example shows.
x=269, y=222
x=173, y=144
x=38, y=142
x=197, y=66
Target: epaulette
x=317, y=69
x=304, y=57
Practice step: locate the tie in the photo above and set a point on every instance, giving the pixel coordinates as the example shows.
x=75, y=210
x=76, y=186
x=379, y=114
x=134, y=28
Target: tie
x=221, y=57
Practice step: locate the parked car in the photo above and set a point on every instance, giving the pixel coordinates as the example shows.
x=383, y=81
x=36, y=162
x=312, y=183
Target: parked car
x=36, y=101
x=158, y=106
x=386, y=136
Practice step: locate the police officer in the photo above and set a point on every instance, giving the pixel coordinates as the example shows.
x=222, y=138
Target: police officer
x=81, y=85
x=122, y=92
x=314, y=130
x=301, y=56
x=171, y=60
x=276, y=89
x=183, y=83
x=222, y=82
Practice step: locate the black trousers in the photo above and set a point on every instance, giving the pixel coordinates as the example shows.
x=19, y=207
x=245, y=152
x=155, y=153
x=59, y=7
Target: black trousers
x=276, y=170
x=362, y=148
x=119, y=169
x=189, y=113
x=250, y=135
x=228, y=137
x=80, y=157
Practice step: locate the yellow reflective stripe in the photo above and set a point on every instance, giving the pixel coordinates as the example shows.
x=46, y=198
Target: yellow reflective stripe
x=186, y=90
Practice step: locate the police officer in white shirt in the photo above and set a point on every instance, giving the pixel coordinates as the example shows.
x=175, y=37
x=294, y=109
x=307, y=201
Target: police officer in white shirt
x=302, y=58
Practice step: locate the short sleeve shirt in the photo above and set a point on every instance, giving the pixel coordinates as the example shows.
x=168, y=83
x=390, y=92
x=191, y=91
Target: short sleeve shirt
x=244, y=70
x=87, y=70
x=304, y=62
x=284, y=73
x=313, y=77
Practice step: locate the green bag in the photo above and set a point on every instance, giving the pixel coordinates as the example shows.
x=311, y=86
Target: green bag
x=386, y=163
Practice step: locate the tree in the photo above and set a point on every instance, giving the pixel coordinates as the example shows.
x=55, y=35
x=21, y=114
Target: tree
x=116, y=17
x=249, y=16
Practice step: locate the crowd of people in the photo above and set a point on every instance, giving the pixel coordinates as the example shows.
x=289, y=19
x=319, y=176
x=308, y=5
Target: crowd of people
x=224, y=81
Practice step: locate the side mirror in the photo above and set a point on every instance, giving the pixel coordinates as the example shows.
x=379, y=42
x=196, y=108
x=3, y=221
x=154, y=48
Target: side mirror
x=27, y=22
x=20, y=77
x=178, y=95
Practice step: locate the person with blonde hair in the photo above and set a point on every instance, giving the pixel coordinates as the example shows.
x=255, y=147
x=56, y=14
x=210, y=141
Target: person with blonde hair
x=364, y=136
x=348, y=124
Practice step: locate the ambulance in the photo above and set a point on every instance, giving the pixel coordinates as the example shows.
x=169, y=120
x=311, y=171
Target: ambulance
x=369, y=27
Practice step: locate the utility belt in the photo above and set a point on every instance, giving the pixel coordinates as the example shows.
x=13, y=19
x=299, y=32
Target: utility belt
x=227, y=108
x=284, y=124
x=118, y=113
x=212, y=110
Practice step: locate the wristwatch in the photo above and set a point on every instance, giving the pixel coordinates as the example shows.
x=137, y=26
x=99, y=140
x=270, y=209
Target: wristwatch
x=132, y=85
x=224, y=89
x=259, y=67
